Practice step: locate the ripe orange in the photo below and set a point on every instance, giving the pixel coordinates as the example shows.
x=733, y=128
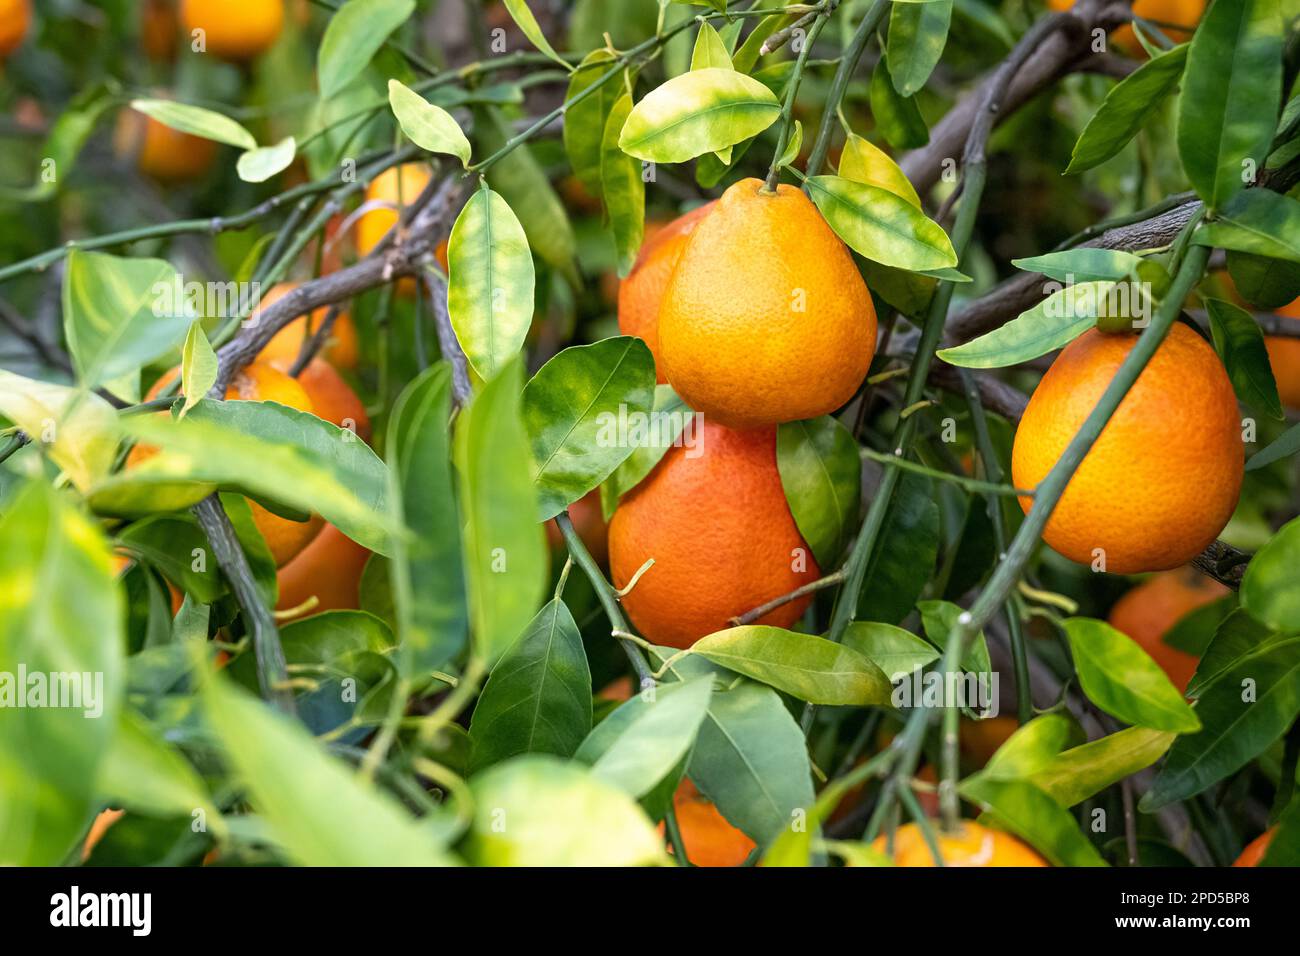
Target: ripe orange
x=1256, y=848
x=642, y=292
x=708, y=838
x=1284, y=357
x=766, y=318
x=716, y=521
x=234, y=31
x=257, y=382
x=980, y=739
x=1185, y=13
x=160, y=152
x=329, y=569
x=1162, y=479
x=332, y=398
x=972, y=845
x=15, y=20
x=391, y=191
x=589, y=521
x=1152, y=608
x=340, y=347
x=158, y=28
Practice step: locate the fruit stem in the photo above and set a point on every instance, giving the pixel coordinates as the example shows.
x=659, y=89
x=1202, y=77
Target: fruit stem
x=792, y=90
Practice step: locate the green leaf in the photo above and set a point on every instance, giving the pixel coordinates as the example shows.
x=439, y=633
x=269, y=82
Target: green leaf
x=672, y=414
x=143, y=773
x=1270, y=590
x=1286, y=445
x=864, y=162
x=491, y=279
x=1120, y=678
x=638, y=745
x=1051, y=324
x=1258, y=221
x=1082, y=264
x=197, y=122
x=1228, y=108
x=250, y=447
x=198, y=367
x=791, y=152
x=898, y=117
x=905, y=556
x=354, y=35
x=1032, y=746
x=623, y=189
x=1244, y=712
x=168, y=543
x=524, y=18
x=918, y=33
x=811, y=668
x=1084, y=771
x=1236, y=637
x=64, y=143
x=572, y=409
x=822, y=478
x=76, y=428
x=537, y=810
x=259, y=165
x=747, y=56
x=895, y=651
x=939, y=618
x=1126, y=108
x=881, y=226
x=584, y=122
x=427, y=576
x=1263, y=282
x=120, y=314
x=63, y=618
x=538, y=698
x=427, y=126
x=318, y=810
x=750, y=758
x=1239, y=341
x=700, y=112
x=1025, y=810
x=505, y=547
x=709, y=50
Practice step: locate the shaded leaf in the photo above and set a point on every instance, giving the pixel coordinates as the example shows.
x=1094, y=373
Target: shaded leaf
x=822, y=478
x=354, y=35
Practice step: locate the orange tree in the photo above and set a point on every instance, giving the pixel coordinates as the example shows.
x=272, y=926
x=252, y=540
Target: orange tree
x=855, y=234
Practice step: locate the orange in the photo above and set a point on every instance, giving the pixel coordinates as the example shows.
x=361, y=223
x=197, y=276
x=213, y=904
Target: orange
x=158, y=29
x=392, y=190
x=340, y=347
x=328, y=569
x=715, y=520
x=980, y=739
x=708, y=838
x=15, y=20
x=589, y=521
x=1185, y=13
x=766, y=318
x=1284, y=357
x=1162, y=479
x=619, y=689
x=1151, y=609
x=640, y=294
x=162, y=153
x=1256, y=848
x=332, y=398
x=972, y=845
x=257, y=382
x=234, y=31
x=98, y=828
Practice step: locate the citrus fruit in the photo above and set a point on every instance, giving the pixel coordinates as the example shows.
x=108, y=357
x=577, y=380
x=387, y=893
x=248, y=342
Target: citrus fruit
x=340, y=347
x=160, y=152
x=332, y=398
x=1284, y=357
x=257, y=382
x=1151, y=609
x=1256, y=848
x=328, y=569
x=715, y=520
x=709, y=840
x=389, y=192
x=766, y=318
x=972, y=845
x=1183, y=13
x=642, y=292
x=158, y=29
x=1162, y=479
x=15, y=20
x=980, y=739
x=234, y=31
